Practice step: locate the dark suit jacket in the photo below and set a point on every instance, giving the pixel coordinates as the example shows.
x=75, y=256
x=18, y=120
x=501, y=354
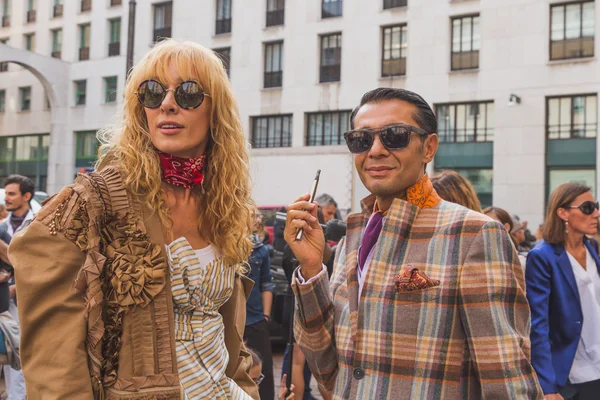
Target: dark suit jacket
x=556, y=315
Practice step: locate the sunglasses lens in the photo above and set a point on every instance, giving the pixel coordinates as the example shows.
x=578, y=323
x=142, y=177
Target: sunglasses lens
x=588, y=207
x=189, y=95
x=151, y=94
x=359, y=141
x=397, y=137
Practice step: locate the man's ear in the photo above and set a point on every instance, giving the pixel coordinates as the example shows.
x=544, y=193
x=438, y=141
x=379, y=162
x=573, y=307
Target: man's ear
x=430, y=146
x=27, y=197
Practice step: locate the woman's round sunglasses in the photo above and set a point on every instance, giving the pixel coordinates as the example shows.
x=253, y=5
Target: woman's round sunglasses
x=188, y=94
x=393, y=137
x=587, y=207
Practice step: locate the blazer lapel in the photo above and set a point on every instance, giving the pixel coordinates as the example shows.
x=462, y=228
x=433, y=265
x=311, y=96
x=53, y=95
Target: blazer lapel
x=567, y=270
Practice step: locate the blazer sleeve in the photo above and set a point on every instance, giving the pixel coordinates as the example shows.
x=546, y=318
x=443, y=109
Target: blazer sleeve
x=52, y=312
x=495, y=316
x=314, y=327
x=539, y=280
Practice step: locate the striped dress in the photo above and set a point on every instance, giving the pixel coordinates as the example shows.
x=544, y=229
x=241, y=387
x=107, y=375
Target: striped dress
x=201, y=283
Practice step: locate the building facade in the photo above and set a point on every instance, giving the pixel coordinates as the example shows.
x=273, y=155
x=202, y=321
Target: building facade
x=514, y=84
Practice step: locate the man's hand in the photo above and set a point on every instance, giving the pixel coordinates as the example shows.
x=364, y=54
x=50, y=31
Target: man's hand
x=553, y=396
x=309, y=250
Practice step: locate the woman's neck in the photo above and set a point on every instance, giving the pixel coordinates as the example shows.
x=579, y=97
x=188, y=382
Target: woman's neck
x=177, y=194
x=574, y=241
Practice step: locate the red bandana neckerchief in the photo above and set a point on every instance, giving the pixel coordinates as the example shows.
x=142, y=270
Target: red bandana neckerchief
x=185, y=172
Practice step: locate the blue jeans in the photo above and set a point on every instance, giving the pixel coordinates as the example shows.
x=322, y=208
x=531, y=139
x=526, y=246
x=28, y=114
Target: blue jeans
x=307, y=374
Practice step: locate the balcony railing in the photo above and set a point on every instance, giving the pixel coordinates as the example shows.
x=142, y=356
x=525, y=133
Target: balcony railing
x=5, y=21
x=115, y=3
x=393, y=4
x=273, y=79
x=572, y=48
x=223, y=26
x=330, y=73
x=275, y=17
x=86, y=5
x=114, y=49
x=465, y=60
x=30, y=16
x=58, y=10
x=56, y=54
x=84, y=53
x=161, y=34
x=393, y=67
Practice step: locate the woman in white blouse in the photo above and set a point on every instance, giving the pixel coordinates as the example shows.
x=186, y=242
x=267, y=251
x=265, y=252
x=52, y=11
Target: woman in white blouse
x=563, y=289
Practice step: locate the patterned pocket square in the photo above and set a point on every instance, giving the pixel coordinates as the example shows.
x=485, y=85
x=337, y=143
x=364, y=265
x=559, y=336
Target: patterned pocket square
x=412, y=279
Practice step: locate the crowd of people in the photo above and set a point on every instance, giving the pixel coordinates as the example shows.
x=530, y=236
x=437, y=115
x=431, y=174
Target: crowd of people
x=151, y=276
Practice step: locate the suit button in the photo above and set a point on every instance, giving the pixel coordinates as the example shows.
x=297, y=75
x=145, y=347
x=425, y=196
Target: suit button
x=358, y=373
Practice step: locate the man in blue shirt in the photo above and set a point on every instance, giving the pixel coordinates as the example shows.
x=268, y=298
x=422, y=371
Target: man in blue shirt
x=258, y=313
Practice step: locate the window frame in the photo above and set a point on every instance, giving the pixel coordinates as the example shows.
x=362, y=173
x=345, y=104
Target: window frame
x=402, y=27
x=2, y=100
x=226, y=61
x=273, y=79
x=581, y=37
x=275, y=16
x=80, y=93
x=477, y=132
x=165, y=31
x=571, y=115
x=108, y=91
x=22, y=91
x=223, y=25
x=281, y=120
x=452, y=52
x=80, y=137
x=58, y=32
x=322, y=38
x=339, y=134
x=390, y=4
x=29, y=41
x=325, y=15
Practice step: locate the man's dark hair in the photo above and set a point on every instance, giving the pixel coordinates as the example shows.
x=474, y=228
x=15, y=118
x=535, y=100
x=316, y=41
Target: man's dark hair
x=424, y=115
x=25, y=184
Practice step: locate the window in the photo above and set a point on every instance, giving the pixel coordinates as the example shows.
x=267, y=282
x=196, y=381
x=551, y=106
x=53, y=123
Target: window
x=115, y=2
x=84, y=42
x=275, y=12
x=28, y=148
x=163, y=17
x=30, y=11
x=572, y=30
x=331, y=8
x=86, y=5
x=558, y=176
x=86, y=145
x=80, y=91
x=273, y=64
x=331, y=57
x=57, y=10
x=5, y=13
x=110, y=89
x=56, y=42
x=223, y=24
x=4, y=65
x=29, y=41
x=271, y=131
x=2, y=100
x=466, y=122
x=465, y=42
x=225, y=55
x=387, y=4
x=327, y=128
x=483, y=183
x=394, y=51
x=114, y=41
x=572, y=117
x=25, y=98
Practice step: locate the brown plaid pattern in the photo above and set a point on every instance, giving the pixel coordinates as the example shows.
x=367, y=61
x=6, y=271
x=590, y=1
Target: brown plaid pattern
x=466, y=338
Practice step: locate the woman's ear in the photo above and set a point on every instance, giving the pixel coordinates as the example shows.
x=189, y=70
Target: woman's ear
x=507, y=226
x=562, y=214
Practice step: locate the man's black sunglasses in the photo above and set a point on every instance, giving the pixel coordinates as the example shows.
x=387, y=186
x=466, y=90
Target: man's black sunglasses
x=587, y=207
x=393, y=137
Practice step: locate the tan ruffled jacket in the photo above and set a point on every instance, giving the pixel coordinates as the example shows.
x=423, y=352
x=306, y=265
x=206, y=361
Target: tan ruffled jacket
x=95, y=300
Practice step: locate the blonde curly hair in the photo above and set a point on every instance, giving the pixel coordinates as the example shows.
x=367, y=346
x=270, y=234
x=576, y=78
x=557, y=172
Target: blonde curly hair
x=225, y=207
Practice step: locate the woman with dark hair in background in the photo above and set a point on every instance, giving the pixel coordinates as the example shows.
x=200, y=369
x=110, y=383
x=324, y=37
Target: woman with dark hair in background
x=455, y=188
x=563, y=289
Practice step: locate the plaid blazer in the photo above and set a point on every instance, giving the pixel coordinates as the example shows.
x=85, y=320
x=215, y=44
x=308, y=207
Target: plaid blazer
x=467, y=338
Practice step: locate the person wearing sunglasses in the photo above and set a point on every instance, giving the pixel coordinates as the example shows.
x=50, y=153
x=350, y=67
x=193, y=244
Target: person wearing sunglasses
x=427, y=298
x=132, y=280
x=563, y=289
